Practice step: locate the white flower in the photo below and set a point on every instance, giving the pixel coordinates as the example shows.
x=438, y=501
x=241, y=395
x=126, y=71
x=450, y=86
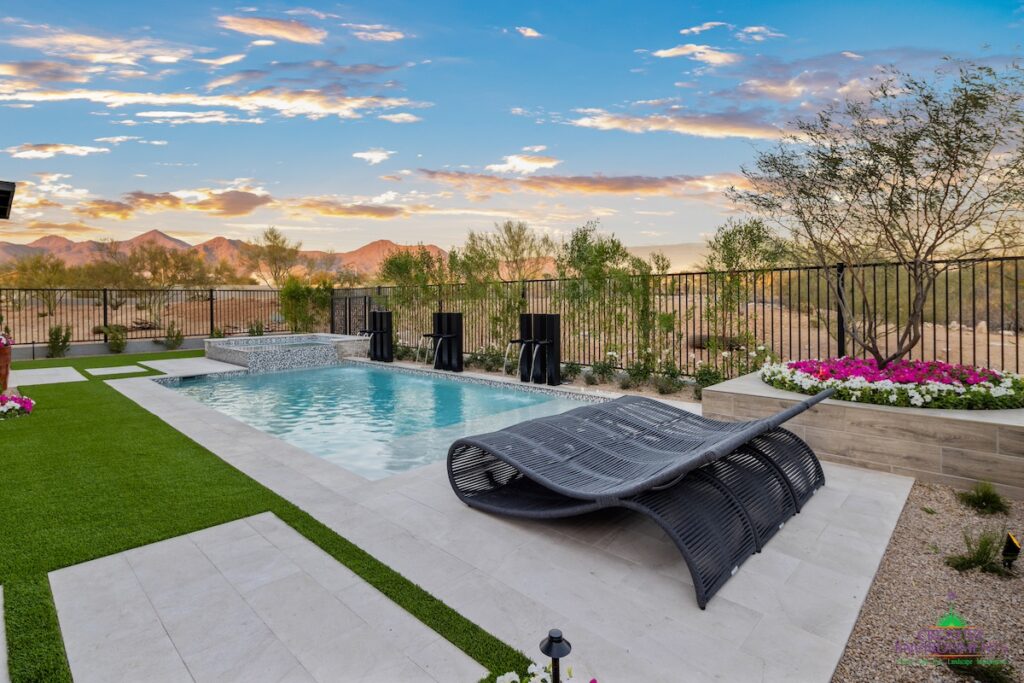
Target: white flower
x=725, y=354
x=510, y=677
x=761, y=347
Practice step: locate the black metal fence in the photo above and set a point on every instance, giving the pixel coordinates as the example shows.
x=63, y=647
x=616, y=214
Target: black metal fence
x=972, y=313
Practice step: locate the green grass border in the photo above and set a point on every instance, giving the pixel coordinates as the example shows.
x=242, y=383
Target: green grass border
x=35, y=646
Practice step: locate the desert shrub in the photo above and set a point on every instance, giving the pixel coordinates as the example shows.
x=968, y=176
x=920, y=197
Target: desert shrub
x=589, y=378
x=707, y=376
x=305, y=307
x=218, y=333
x=173, y=336
x=256, y=328
x=666, y=384
x=983, y=552
x=982, y=672
x=604, y=370
x=117, y=338
x=570, y=371
x=59, y=341
x=640, y=373
x=490, y=359
x=626, y=381
x=984, y=498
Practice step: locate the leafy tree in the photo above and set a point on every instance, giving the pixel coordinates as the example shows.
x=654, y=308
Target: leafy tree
x=327, y=267
x=919, y=170
x=304, y=306
x=45, y=273
x=740, y=252
x=272, y=257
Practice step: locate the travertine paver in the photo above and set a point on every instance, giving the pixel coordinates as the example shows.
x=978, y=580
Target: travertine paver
x=4, y=678
x=22, y=378
x=251, y=600
x=190, y=366
x=117, y=370
x=612, y=581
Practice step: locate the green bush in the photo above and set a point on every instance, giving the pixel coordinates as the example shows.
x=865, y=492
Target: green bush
x=173, y=336
x=256, y=328
x=305, y=307
x=117, y=338
x=626, y=381
x=640, y=373
x=984, y=499
x=589, y=378
x=490, y=359
x=603, y=370
x=666, y=384
x=217, y=333
x=983, y=552
x=59, y=341
x=570, y=371
x=707, y=376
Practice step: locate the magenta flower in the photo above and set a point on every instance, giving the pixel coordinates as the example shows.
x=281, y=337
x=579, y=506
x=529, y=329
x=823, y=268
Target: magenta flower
x=900, y=371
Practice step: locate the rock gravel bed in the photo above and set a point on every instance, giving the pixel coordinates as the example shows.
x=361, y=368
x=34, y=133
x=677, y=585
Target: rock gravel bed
x=913, y=583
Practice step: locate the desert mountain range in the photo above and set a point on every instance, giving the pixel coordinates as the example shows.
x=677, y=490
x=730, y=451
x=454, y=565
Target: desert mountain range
x=364, y=260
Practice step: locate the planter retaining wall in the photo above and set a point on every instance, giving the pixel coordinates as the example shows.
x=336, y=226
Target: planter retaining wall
x=954, y=447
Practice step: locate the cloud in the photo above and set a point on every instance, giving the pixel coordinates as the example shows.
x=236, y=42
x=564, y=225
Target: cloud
x=222, y=61
x=527, y=32
x=50, y=71
x=118, y=139
x=701, y=53
x=262, y=43
x=757, y=34
x=286, y=29
x=239, y=201
x=401, y=117
x=374, y=156
x=35, y=229
x=524, y=164
x=851, y=55
x=307, y=11
x=714, y=125
x=700, y=28
x=535, y=148
x=375, y=33
x=177, y=118
x=481, y=185
x=310, y=103
x=334, y=207
x=83, y=47
x=48, y=150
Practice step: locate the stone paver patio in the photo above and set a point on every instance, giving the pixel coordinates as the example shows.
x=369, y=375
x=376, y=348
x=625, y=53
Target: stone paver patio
x=251, y=600
x=613, y=582
x=22, y=378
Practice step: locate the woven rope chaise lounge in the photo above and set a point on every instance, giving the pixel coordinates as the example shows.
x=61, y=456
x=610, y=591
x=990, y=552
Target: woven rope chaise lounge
x=719, y=489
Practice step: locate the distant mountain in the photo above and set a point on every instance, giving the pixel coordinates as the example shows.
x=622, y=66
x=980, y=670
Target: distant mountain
x=365, y=260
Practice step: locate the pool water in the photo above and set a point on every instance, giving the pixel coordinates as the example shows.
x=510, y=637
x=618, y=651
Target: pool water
x=374, y=422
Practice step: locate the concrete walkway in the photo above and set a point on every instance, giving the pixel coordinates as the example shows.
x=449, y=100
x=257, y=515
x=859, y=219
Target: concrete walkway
x=613, y=582
x=251, y=600
x=190, y=366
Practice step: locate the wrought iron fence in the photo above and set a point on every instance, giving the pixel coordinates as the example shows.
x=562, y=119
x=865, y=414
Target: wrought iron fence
x=972, y=313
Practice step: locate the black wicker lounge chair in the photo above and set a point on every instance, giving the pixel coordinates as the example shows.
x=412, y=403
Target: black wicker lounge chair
x=719, y=489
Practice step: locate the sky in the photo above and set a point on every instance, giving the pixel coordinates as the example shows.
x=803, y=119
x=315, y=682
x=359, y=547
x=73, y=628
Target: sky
x=418, y=120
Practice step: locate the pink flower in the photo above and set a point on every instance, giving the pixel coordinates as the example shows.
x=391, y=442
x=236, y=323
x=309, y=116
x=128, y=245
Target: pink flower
x=900, y=371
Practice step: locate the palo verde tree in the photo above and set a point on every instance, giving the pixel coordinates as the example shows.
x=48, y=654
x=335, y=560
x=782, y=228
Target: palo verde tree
x=493, y=268
x=740, y=252
x=272, y=257
x=919, y=170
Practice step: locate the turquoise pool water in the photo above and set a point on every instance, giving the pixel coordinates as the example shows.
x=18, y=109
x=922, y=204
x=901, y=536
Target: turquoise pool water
x=374, y=422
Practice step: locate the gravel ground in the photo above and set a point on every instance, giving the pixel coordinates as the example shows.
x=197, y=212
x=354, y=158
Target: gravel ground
x=910, y=591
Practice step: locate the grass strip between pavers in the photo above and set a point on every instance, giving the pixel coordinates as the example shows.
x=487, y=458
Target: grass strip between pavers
x=90, y=473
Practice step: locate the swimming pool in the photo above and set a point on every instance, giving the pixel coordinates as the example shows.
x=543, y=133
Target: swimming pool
x=372, y=421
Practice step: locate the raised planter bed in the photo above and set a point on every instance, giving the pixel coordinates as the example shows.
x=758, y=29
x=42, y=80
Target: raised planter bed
x=954, y=447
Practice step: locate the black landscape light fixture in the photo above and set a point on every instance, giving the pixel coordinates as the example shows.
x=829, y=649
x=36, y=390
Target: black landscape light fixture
x=556, y=647
x=6, y=198
x=1011, y=551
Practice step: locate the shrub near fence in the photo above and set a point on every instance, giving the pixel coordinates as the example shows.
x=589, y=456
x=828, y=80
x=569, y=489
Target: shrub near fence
x=973, y=315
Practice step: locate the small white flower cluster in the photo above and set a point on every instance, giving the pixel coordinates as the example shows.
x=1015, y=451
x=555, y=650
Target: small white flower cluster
x=854, y=388
x=10, y=407
x=537, y=673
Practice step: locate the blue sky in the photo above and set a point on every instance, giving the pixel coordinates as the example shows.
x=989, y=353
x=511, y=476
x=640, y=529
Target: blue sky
x=416, y=121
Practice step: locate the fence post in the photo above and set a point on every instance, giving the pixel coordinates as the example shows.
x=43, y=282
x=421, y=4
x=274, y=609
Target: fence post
x=440, y=300
x=840, y=301
x=106, y=322
x=212, y=328
x=348, y=314
x=333, y=323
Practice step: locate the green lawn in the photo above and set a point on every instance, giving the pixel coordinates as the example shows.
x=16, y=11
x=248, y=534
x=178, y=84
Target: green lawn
x=90, y=473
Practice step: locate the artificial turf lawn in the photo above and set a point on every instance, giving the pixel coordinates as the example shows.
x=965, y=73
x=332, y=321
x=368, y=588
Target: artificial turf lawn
x=90, y=473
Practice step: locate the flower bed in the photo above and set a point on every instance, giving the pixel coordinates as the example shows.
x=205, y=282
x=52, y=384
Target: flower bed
x=15, y=406
x=922, y=384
